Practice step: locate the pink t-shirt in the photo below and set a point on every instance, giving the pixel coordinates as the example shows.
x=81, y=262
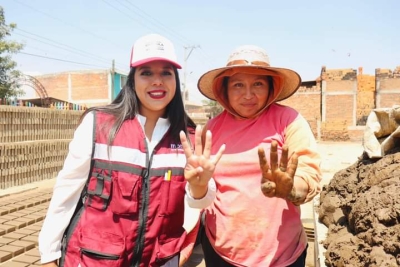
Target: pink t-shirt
x=245, y=227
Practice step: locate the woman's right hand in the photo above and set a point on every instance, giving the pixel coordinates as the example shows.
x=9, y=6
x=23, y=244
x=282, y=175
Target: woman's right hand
x=199, y=165
x=277, y=180
x=50, y=264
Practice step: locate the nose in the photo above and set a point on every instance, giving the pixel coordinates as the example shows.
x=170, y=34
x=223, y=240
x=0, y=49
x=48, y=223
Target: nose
x=248, y=93
x=157, y=80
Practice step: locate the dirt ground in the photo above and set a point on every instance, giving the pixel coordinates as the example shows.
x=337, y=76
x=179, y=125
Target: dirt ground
x=360, y=206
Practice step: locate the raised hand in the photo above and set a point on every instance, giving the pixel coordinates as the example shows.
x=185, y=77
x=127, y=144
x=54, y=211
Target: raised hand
x=277, y=180
x=199, y=165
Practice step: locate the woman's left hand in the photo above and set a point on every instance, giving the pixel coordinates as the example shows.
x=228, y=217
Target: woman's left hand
x=278, y=180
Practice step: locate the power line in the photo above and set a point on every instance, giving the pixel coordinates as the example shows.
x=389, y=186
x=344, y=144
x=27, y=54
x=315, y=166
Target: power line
x=66, y=23
x=207, y=62
x=155, y=21
x=73, y=48
x=59, y=59
x=206, y=58
x=54, y=45
x=184, y=39
x=37, y=48
x=127, y=14
x=59, y=45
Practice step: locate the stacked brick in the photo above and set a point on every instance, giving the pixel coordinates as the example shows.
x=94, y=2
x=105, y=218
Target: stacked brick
x=33, y=143
x=21, y=217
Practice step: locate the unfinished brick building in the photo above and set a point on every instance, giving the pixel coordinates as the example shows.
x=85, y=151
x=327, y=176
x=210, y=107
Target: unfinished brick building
x=338, y=103
x=86, y=87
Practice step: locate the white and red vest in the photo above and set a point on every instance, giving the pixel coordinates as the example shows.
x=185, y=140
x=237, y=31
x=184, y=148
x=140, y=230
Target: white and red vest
x=133, y=204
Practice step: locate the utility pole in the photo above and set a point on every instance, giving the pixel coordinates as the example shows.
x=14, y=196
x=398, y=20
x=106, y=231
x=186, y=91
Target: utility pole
x=185, y=58
x=111, y=96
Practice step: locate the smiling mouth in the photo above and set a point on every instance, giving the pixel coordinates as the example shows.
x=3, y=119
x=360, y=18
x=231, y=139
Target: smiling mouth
x=249, y=105
x=157, y=95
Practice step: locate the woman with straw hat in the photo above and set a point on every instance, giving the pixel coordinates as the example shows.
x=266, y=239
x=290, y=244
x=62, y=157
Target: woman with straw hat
x=253, y=223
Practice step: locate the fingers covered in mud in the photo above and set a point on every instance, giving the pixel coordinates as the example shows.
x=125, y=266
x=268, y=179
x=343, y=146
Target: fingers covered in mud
x=277, y=178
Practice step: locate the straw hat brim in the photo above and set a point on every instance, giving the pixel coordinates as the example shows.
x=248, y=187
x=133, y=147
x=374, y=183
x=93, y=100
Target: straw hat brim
x=292, y=80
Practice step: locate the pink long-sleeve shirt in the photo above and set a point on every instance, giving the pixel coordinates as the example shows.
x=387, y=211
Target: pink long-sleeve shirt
x=245, y=227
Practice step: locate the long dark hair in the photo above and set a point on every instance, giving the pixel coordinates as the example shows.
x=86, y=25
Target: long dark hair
x=126, y=106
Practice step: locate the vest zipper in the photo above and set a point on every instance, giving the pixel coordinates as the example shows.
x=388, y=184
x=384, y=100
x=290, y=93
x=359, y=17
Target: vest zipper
x=139, y=246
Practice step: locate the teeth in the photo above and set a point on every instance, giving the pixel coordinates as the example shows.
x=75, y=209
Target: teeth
x=157, y=94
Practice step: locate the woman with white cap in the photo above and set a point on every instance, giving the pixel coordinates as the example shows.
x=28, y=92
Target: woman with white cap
x=253, y=223
x=119, y=198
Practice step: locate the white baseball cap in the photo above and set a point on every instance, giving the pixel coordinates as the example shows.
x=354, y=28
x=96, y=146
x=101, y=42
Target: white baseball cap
x=153, y=47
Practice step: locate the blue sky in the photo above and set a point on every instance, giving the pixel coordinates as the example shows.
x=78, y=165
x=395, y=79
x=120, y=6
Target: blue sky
x=301, y=35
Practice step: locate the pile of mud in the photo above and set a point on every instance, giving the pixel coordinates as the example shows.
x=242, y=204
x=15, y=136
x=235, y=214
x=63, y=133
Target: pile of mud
x=361, y=208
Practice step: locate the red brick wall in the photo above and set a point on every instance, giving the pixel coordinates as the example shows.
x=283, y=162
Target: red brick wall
x=340, y=107
x=365, y=96
x=390, y=84
x=92, y=86
x=86, y=87
x=388, y=87
x=388, y=100
x=56, y=85
x=335, y=130
x=307, y=101
x=346, y=101
x=340, y=86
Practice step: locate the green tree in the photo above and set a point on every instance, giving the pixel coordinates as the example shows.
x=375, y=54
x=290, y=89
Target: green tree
x=213, y=107
x=8, y=74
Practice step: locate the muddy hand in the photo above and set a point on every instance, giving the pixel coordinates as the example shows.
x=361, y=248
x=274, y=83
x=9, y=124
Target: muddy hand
x=199, y=165
x=277, y=180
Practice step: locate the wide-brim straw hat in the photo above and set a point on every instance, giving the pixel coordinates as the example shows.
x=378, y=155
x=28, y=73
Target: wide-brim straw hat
x=252, y=60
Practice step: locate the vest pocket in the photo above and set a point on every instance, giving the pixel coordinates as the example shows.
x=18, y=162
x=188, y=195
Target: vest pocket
x=125, y=194
x=100, y=249
x=98, y=191
x=164, y=251
x=172, y=197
